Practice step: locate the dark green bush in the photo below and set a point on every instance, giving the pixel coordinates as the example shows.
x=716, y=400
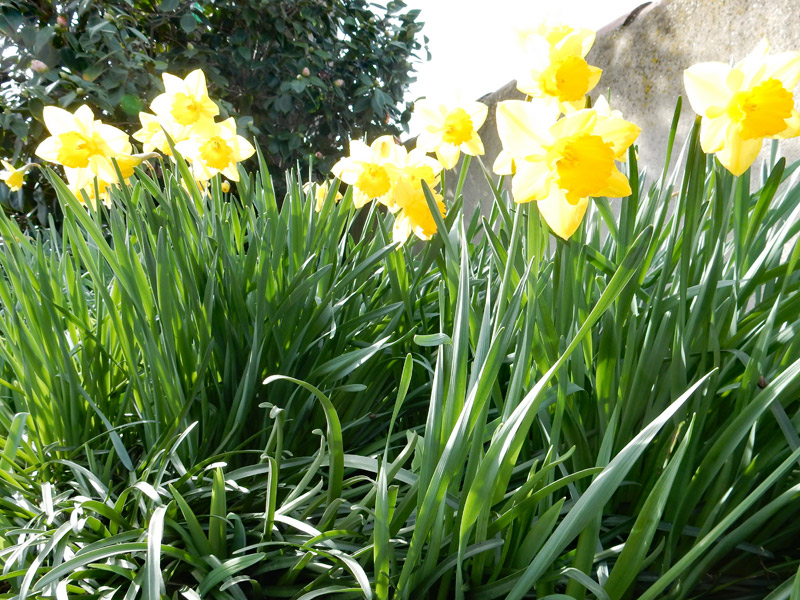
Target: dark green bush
x=301, y=76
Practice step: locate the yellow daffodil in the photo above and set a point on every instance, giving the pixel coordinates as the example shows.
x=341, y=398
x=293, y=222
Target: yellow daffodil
x=87, y=194
x=225, y=186
x=82, y=144
x=185, y=101
x=407, y=173
x=13, y=178
x=320, y=191
x=743, y=104
x=365, y=168
x=216, y=150
x=80, y=181
x=415, y=217
x=154, y=131
x=561, y=163
x=553, y=67
x=449, y=129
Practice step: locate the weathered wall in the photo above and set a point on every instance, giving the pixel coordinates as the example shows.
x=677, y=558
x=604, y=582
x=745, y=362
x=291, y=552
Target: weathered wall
x=643, y=57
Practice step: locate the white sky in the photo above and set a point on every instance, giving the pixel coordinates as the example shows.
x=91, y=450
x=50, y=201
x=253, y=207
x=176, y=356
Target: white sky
x=470, y=40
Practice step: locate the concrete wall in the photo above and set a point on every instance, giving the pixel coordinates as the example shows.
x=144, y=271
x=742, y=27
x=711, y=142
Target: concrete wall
x=643, y=57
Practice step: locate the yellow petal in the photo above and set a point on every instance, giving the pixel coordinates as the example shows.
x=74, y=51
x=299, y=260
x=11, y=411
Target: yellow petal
x=532, y=181
x=448, y=155
x=473, y=146
x=162, y=104
x=523, y=126
x=706, y=86
x=785, y=67
x=617, y=186
x=244, y=149
x=503, y=164
x=617, y=132
x=196, y=83
x=116, y=139
x=477, y=112
x=792, y=127
x=738, y=154
x=48, y=149
x=58, y=121
x=401, y=229
x=594, y=77
x=575, y=123
x=562, y=217
x=713, y=133
x=173, y=85
x=347, y=170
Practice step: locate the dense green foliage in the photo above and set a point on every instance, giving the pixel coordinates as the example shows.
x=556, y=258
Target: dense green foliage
x=301, y=76
x=487, y=415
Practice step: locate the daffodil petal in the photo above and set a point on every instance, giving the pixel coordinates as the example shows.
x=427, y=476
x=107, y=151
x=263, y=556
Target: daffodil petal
x=477, y=112
x=575, y=123
x=523, y=126
x=58, y=121
x=792, y=127
x=172, y=84
x=706, y=86
x=448, y=155
x=401, y=229
x=618, y=132
x=196, y=83
x=617, y=186
x=713, y=134
x=738, y=153
x=48, y=149
x=503, y=164
x=561, y=217
x=785, y=67
x=473, y=146
x=532, y=181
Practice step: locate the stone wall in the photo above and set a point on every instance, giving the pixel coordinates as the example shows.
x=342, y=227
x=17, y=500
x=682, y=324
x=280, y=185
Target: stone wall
x=643, y=56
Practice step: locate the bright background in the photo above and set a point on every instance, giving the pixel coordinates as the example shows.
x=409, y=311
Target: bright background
x=470, y=41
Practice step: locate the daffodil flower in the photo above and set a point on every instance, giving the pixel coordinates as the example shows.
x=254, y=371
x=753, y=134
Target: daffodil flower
x=320, y=191
x=185, y=101
x=407, y=173
x=154, y=131
x=450, y=129
x=81, y=182
x=553, y=66
x=743, y=104
x=12, y=177
x=216, y=150
x=82, y=144
x=365, y=168
x=415, y=217
x=560, y=163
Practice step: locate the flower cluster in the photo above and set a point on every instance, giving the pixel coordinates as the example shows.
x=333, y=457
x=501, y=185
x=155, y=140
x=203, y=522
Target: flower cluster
x=385, y=171
x=96, y=156
x=185, y=113
x=558, y=152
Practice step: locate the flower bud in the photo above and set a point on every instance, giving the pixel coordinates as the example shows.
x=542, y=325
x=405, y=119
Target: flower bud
x=318, y=154
x=61, y=20
x=339, y=82
x=39, y=66
x=226, y=187
x=306, y=72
